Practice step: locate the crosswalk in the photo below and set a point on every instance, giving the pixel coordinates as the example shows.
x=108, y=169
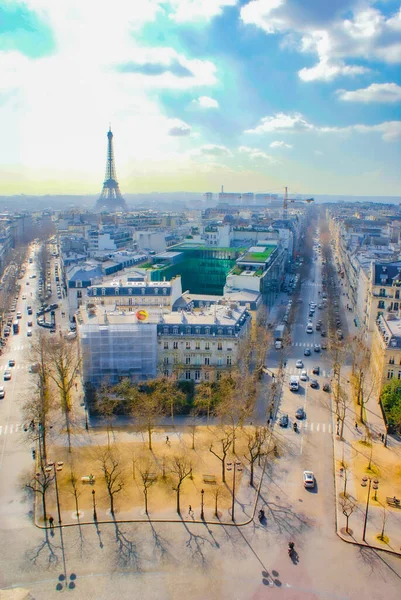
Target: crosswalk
x=312, y=427
x=295, y=371
x=16, y=367
x=11, y=428
x=303, y=344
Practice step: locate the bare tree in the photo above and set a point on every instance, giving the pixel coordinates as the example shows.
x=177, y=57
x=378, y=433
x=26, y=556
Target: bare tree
x=106, y=404
x=148, y=480
x=39, y=484
x=113, y=474
x=144, y=405
x=384, y=521
x=76, y=491
x=182, y=468
x=218, y=492
x=256, y=444
x=204, y=398
x=363, y=379
x=37, y=408
x=238, y=393
x=167, y=394
x=64, y=367
x=225, y=446
x=347, y=507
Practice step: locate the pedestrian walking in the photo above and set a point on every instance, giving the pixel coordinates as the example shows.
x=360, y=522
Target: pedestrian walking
x=383, y=437
x=76, y=386
x=167, y=439
x=268, y=422
x=356, y=425
x=51, y=522
x=190, y=509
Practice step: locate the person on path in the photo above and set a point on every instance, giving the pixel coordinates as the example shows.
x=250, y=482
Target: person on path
x=167, y=439
x=190, y=509
x=356, y=425
x=51, y=522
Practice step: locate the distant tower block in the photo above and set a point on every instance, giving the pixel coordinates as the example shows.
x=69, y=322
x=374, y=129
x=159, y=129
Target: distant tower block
x=110, y=199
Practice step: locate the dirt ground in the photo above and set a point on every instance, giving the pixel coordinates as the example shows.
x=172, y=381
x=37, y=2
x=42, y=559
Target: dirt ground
x=385, y=466
x=134, y=456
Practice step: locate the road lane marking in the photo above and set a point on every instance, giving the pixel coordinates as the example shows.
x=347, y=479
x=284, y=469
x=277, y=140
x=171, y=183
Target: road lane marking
x=324, y=428
x=318, y=427
x=5, y=429
x=1, y=429
x=311, y=427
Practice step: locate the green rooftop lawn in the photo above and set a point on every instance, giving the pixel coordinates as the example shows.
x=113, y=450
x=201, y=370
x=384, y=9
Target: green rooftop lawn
x=258, y=256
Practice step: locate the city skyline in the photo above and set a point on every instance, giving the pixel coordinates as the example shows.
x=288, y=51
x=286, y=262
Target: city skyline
x=254, y=95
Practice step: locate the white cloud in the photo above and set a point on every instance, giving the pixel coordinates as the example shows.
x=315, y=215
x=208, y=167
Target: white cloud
x=198, y=10
x=318, y=152
x=176, y=127
x=257, y=154
x=282, y=122
x=211, y=150
x=336, y=32
x=388, y=93
x=206, y=102
x=296, y=123
x=277, y=144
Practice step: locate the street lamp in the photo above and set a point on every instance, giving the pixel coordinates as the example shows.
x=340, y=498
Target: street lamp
x=94, y=506
x=364, y=483
x=237, y=466
x=202, y=513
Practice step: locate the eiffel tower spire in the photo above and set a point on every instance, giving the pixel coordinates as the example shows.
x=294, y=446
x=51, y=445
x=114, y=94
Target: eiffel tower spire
x=110, y=198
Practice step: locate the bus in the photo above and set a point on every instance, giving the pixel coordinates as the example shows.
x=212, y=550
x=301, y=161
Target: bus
x=16, y=326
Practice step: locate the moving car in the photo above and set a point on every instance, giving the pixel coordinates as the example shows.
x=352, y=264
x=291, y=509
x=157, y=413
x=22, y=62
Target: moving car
x=2, y=392
x=307, y=352
x=324, y=345
x=317, y=348
x=316, y=370
x=11, y=362
x=284, y=420
x=300, y=413
x=304, y=376
x=299, y=364
x=309, y=328
x=314, y=384
x=29, y=333
x=7, y=375
x=326, y=387
x=309, y=479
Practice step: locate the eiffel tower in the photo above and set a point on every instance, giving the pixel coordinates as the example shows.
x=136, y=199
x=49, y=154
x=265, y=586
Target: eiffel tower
x=110, y=199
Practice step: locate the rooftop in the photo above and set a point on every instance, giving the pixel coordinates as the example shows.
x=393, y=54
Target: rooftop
x=258, y=254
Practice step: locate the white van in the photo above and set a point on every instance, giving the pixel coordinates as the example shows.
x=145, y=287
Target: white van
x=309, y=328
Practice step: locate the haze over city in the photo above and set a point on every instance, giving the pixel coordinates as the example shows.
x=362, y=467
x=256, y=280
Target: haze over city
x=256, y=95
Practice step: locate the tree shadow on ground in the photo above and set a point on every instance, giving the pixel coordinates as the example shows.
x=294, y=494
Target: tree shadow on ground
x=44, y=549
x=196, y=544
x=127, y=554
x=377, y=563
x=161, y=545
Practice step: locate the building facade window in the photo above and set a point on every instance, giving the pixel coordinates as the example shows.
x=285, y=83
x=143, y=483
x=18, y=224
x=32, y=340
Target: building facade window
x=166, y=373
x=197, y=345
x=219, y=361
x=229, y=361
x=188, y=345
x=390, y=374
x=187, y=360
x=207, y=361
x=187, y=374
x=206, y=376
x=197, y=375
x=165, y=360
x=396, y=305
x=175, y=330
x=79, y=294
x=382, y=292
x=207, y=346
x=103, y=291
x=391, y=360
x=175, y=345
x=219, y=346
x=397, y=294
x=165, y=345
x=380, y=304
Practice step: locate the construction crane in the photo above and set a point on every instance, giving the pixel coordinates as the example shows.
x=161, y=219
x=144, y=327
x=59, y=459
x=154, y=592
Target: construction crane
x=286, y=200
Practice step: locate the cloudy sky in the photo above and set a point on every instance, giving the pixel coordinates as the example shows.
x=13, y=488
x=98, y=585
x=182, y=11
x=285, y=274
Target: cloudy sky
x=252, y=94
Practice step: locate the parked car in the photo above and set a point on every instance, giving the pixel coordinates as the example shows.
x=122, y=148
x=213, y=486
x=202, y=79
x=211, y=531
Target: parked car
x=308, y=479
x=7, y=375
x=284, y=420
x=326, y=387
x=300, y=413
x=314, y=384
